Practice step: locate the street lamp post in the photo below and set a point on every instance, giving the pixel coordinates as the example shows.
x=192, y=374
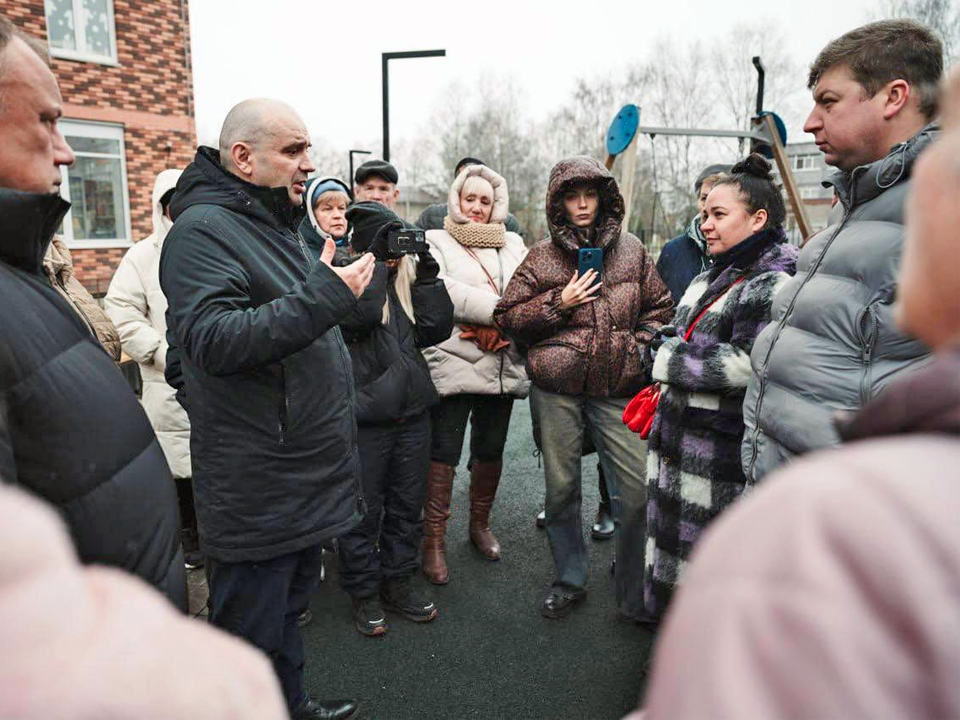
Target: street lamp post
x=386, y=88
x=352, y=153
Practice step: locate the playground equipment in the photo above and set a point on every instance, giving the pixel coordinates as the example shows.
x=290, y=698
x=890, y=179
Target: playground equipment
x=767, y=134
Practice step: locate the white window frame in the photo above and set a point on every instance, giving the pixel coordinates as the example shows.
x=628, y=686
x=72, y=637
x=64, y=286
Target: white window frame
x=107, y=131
x=80, y=34
x=796, y=164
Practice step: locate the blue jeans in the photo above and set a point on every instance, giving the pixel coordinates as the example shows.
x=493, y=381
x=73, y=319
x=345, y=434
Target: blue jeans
x=260, y=602
x=564, y=419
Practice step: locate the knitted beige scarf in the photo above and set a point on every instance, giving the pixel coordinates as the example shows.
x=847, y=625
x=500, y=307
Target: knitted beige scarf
x=492, y=235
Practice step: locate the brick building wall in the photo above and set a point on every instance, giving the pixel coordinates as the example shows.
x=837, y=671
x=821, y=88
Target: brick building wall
x=149, y=92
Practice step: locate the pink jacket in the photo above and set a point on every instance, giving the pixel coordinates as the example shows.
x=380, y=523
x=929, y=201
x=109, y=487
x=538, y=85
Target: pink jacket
x=95, y=643
x=834, y=591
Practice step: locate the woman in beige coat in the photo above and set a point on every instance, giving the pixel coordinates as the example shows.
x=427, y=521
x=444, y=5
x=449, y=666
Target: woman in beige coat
x=478, y=373
x=137, y=306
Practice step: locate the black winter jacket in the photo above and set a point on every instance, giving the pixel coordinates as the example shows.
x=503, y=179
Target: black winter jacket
x=682, y=259
x=392, y=378
x=71, y=430
x=269, y=387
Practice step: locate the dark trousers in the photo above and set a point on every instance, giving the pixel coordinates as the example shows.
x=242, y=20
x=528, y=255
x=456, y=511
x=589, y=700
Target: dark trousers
x=489, y=421
x=188, y=515
x=386, y=544
x=260, y=602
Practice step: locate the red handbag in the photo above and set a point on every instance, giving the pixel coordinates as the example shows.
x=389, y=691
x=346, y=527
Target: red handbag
x=639, y=412
x=638, y=415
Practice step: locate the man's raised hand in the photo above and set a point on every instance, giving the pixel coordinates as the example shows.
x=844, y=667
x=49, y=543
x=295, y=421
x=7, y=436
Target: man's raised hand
x=356, y=275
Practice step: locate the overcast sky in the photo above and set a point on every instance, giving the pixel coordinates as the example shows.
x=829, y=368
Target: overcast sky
x=323, y=57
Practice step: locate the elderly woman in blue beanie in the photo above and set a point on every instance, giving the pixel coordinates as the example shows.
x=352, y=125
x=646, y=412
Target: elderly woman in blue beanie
x=326, y=201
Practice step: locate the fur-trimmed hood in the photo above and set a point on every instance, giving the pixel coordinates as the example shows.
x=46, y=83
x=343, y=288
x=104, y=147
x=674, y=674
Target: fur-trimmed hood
x=577, y=170
x=501, y=198
x=166, y=181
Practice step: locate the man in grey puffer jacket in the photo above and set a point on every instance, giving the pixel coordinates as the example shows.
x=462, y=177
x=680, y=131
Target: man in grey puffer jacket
x=832, y=344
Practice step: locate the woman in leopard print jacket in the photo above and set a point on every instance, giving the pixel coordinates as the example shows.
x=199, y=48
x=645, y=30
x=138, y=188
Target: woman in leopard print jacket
x=587, y=357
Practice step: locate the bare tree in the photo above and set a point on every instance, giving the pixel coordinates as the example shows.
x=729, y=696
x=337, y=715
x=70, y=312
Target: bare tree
x=489, y=125
x=941, y=16
x=736, y=76
x=329, y=160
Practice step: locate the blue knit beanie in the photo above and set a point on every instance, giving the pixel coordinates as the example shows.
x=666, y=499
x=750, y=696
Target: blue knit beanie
x=322, y=185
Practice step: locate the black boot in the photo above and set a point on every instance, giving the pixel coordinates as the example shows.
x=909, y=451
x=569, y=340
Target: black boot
x=603, y=527
x=398, y=597
x=330, y=710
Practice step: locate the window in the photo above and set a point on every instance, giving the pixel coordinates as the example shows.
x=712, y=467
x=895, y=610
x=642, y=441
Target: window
x=82, y=30
x=96, y=186
x=810, y=192
x=804, y=162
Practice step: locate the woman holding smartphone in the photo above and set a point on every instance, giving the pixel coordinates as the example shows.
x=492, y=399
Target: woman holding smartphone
x=587, y=337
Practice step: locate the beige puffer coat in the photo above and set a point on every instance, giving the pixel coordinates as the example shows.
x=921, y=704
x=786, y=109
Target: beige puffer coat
x=136, y=305
x=58, y=265
x=458, y=366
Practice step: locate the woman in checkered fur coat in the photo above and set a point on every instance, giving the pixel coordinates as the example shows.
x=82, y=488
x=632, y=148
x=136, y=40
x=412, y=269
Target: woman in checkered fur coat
x=693, y=464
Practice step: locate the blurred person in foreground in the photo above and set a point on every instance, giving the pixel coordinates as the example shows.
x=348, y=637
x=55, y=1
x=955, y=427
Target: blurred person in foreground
x=833, y=590
x=832, y=344
x=93, y=642
x=70, y=429
x=252, y=318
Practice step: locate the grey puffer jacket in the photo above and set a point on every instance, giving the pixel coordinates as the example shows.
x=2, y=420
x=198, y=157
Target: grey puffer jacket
x=833, y=344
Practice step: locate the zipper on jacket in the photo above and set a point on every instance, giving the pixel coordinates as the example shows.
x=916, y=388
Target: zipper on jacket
x=847, y=212
x=867, y=326
x=352, y=395
x=501, y=353
x=303, y=249
x=283, y=405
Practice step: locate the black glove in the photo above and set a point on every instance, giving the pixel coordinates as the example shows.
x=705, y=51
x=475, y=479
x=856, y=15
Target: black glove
x=667, y=331
x=371, y=222
x=427, y=268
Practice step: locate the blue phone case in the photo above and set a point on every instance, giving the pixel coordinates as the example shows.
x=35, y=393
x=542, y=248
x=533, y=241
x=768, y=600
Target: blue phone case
x=590, y=259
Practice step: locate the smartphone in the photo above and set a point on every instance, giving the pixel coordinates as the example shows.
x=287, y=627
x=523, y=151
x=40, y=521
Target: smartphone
x=590, y=259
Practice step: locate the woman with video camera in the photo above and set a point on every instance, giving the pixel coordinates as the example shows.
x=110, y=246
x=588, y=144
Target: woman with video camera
x=586, y=301
x=477, y=371
x=404, y=309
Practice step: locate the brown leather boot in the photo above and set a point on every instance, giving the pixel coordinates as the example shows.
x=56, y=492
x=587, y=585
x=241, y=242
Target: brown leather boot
x=436, y=510
x=484, y=479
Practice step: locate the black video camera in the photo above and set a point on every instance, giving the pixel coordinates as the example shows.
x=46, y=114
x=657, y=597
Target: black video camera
x=406, y=241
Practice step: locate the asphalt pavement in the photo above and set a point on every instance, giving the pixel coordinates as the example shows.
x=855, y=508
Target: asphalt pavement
x=489, y=654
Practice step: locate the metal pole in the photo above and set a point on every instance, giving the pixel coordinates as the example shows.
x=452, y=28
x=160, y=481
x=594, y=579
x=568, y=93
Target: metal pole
x=352, y=153
x=761, y=73
x=385, y=58
x=386, y=108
